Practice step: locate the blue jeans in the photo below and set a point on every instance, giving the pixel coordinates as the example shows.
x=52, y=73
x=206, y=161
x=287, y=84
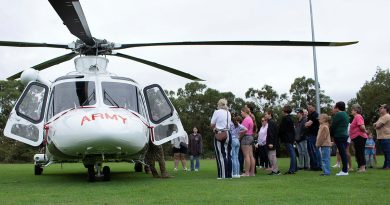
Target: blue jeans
x=303, y=158
x=235, y=162
x=325, y=156
x=196, y=158
x=293, y=158
x=385, y=144
x=341, y=143
x=314, y=152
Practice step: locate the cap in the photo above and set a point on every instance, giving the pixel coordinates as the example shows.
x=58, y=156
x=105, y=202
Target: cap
x=299, y=110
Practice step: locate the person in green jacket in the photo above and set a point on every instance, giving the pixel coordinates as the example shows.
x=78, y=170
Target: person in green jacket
x=339, y=132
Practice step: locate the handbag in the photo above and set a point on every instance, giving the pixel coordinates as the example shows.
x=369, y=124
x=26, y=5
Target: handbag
x=184, y=145
x=222, y=135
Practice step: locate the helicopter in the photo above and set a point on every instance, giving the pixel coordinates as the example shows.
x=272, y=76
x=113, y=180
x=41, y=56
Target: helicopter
x=92, y=115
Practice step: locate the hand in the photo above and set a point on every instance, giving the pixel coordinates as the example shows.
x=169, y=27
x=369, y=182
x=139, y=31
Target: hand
x=270, y=146
x=257, y=145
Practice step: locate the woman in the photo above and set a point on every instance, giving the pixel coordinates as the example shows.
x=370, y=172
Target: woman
x=382, y=127
x=339, y=132
x=287, y=136
x=237, y=130
x=358, y=134
x=179, y=151
x=220, y=122
x=261, y=144
x=195, y=148
x=246, y=143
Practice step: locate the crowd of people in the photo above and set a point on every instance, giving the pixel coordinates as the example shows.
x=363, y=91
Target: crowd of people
x=312, y=134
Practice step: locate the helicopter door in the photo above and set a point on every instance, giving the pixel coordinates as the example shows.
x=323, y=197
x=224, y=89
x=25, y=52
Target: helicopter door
x=163, y=116
x=25, y=122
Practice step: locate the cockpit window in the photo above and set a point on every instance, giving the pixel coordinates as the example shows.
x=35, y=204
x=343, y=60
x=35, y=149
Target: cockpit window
x=120, y=95
x=72, y=94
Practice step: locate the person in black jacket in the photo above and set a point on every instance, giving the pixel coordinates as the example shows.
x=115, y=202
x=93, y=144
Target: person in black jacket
x=287, y=136
x=272, y=142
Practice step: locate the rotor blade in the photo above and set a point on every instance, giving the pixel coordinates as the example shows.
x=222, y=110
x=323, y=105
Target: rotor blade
x=47, y=64
x=159, y=66
x=28, y=44
x=241, y=43
x=73, y=17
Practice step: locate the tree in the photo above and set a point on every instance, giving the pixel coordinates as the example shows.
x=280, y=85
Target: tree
x=373, y=93
x=303, y=91
x=264, y=98
x=11, y=150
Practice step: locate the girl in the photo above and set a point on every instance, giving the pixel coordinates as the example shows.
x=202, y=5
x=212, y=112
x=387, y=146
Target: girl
x=324, y=143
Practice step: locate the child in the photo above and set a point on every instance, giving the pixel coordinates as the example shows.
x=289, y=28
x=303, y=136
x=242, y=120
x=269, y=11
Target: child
x=370, y=150
x=324, y=143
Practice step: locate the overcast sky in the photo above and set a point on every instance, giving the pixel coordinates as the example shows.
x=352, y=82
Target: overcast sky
x=342, y=70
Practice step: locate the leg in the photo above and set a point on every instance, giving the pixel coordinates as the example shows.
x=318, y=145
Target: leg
x=300, y=155
x=291, y=152
x=359, y=143
x=306, y=155
x=247, y=160
x=385, y=144
x=349, y=159
x=176, y=157
x=192, y=162
x=183, y=161
x=340, y=143
x=325, y=156
x=272, y=158
x=197, y=164
x=219, y=159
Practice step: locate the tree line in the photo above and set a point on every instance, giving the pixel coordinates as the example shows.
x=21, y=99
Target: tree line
x=196, y=103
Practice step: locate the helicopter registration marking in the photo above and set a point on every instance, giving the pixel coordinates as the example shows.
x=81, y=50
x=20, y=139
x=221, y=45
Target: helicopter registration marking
x=106, y=116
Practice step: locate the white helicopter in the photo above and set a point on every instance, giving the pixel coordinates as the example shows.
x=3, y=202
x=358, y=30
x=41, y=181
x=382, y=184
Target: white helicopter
x=94, y=116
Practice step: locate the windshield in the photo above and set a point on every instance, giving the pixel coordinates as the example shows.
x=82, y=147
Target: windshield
x=72, y=94
x=120, y=95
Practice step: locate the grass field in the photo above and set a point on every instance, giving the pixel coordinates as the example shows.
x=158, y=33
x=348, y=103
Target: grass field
x=68, y=185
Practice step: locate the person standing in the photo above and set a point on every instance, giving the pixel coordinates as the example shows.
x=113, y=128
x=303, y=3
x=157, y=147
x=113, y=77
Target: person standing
x=300, y=138
x=179, y=147
x=237, y=130
x=272, y=142
x=220, y=122
x=358, y=134
x=261, y=144
x=155, y=153
x=339, y=132
x=247, y=142
x=287, y=136
x=195, y=148
x=312, y=126
x=324, y=143
x=382, y=127
x=370, y=150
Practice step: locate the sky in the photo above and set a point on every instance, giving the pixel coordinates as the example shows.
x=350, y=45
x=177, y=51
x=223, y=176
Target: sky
x=342, y=71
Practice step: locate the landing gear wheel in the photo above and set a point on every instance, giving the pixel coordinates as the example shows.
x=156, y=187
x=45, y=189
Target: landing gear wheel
x=106, y=173
x=38, y=169
x=91, y=173
x=138, y=167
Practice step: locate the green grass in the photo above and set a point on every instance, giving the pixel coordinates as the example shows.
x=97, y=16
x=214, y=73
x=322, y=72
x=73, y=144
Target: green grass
x=68, y=185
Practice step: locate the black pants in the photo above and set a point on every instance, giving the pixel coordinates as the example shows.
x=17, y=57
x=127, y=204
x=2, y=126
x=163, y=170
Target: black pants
x=359, y=143
x=341, y=143
x=263, y=151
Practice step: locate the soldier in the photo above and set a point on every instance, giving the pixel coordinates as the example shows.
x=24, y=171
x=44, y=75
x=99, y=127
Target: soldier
x=155, y=153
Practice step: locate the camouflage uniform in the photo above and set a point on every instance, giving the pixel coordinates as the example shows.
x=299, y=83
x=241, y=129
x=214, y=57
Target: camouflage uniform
x=155, y=153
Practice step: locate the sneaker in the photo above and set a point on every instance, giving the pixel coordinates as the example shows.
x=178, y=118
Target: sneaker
x=289, y=172
x=175, y=169
x=274, y=173
x=185, y=169
x=196, y=170
x=341, y=173
x=236, y=176
x=336, y=166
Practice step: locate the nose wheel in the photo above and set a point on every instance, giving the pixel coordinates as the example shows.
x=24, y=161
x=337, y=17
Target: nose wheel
x=96, y=171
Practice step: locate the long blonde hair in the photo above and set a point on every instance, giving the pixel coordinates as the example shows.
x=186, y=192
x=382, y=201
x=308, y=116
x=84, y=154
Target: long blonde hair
x=222, y=104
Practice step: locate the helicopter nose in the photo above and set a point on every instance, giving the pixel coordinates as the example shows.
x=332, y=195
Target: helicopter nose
x=97, y=131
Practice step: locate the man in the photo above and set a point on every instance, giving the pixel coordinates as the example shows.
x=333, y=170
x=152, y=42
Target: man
x=300, y=138
x=195, y=148
x=272, y=142
x=312, y=126
x=155, y=153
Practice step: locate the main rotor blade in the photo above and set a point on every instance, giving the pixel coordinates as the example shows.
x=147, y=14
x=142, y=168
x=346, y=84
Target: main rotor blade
x=159, y=66
x=47, y=64
x=73, y=17
x=28, y=44
x=241, y=43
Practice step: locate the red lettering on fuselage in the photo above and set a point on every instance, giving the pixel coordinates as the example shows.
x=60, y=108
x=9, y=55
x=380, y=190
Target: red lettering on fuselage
x=100, y=116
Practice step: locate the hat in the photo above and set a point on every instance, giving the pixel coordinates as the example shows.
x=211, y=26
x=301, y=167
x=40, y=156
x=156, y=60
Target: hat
x=299, y=110
x=383, y=105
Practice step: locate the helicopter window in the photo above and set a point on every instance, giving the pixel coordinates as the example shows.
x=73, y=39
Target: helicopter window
x=158, y=104
x=120, y=95
x=31, y=103
x=72, y=94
